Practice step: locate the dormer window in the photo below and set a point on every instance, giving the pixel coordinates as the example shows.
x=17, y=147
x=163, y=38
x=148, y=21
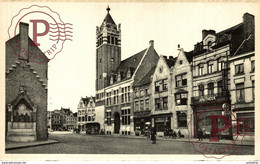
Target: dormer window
x=119, y=77
x=180, y=62
x=129, y=73
x=111, y=80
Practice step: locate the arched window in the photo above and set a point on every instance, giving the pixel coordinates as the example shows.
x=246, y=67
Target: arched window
x=210, y=88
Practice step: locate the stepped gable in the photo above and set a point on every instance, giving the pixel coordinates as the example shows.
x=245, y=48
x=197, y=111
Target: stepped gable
x=17, y=63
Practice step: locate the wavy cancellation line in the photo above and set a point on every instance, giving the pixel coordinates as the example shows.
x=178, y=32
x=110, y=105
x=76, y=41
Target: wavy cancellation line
x=60, y=35
x=55, y=24
x=61, y=39
x=61, y=28
x=60, y=31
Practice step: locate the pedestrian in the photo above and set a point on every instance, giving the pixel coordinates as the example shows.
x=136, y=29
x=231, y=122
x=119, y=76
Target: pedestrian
x=200, y=135
x=153, y=135
x=174, y=135
x=170, y=133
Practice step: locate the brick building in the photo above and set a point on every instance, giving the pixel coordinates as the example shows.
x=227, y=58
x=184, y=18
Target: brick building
x=115, y=78
x=26, y=89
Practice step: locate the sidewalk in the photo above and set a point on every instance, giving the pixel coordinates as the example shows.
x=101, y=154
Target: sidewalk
x=17, y=145
x=224, y=142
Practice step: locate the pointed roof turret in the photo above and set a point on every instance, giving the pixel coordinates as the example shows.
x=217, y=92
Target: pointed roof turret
x=108, y=18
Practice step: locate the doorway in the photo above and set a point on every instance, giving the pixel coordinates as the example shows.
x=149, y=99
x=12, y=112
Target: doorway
x=116, y=123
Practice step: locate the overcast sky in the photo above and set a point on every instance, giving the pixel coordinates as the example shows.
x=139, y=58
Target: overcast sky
x=72, y=72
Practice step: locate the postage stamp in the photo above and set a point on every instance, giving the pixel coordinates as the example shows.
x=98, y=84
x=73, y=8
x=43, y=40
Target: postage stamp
x=48, y=33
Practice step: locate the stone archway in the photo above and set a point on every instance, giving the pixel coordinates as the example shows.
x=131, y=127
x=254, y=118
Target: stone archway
x=116, y=123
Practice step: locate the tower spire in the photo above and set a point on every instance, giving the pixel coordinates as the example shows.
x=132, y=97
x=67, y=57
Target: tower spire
x=108, y=9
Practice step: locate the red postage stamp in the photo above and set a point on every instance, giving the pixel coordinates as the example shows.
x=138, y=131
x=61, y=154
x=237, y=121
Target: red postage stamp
x=217, y=124
x=46, y=28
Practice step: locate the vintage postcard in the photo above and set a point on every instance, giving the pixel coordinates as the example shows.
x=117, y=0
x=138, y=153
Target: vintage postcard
x=129, y=81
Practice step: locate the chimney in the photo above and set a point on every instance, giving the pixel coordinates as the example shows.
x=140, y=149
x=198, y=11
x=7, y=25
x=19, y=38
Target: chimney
x=206, y=32
x=165, y=57
x=151, y=42
x=249, y=24
x=23, y=31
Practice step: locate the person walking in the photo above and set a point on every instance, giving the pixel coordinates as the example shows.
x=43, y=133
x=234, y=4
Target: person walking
x=153, y=135
x=200, y=135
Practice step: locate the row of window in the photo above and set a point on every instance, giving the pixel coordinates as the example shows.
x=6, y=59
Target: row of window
x=86, y=112
x=125, y=114
x=181, y=80
x=161, y=85
x=239, y=68
x=125, y=96
x=240, y=92
x=88, y=118
x=110, y=40
x=221, y=65
x=141, y=107
x=99, y=96
x=142, y=93
x=161, y=103
x=211, y=88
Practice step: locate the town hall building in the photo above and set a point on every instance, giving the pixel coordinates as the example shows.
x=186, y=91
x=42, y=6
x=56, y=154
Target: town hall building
x=115, y=77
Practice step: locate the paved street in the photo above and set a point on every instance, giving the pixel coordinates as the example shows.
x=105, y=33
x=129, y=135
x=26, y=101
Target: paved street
x=82, y=144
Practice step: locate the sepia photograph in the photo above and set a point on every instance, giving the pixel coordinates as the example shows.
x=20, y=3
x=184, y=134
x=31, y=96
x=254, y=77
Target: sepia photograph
x=129, y=78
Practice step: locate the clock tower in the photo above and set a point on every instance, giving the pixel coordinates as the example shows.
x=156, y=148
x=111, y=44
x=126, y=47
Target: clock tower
x=108, y=51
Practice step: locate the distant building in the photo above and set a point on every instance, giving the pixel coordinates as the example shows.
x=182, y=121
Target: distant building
x=82, y=114
x=71, y=121
x=90, y=120
x=26, y=89
x=57, y=120
x=49, y=113
x=63, y=119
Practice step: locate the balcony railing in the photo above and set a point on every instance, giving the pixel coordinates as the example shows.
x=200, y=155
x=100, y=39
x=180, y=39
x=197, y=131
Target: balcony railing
x=223, y=96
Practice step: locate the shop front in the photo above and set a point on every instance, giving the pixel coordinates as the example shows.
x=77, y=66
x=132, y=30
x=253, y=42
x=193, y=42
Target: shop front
x=92, y=128
x=142, y=122
x=211, y=118
x=162, y=122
